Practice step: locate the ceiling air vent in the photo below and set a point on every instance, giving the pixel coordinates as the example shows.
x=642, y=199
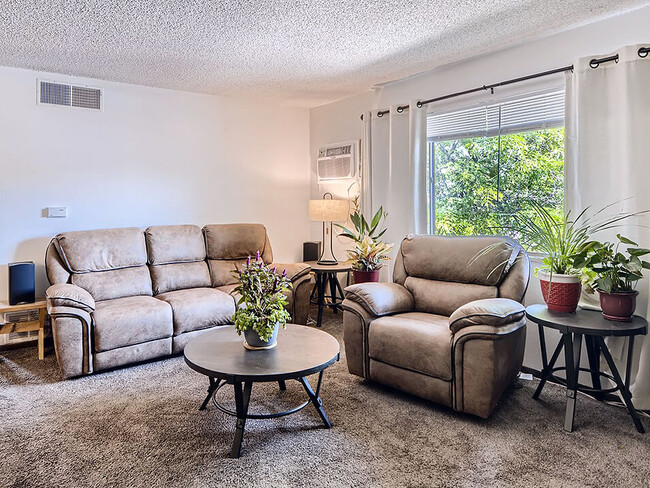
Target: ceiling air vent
x=70, y=95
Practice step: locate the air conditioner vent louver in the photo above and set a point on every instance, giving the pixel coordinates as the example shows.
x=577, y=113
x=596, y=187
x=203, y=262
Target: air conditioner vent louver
x=70, y=95
x=337, y=161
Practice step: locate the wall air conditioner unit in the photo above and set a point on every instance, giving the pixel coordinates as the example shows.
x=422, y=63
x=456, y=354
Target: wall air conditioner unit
x=337, y=161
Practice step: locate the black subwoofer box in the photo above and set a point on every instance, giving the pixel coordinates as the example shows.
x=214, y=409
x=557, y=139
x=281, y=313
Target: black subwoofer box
x=21, y=283
x=311, y=251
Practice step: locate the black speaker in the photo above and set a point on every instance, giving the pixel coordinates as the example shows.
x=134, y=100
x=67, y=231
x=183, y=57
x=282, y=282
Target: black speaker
x=21, y=283
x=311, y=250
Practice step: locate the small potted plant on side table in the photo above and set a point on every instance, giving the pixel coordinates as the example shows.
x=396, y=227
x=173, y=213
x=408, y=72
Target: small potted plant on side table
x=260, y=309
x=614, y=274
x=369, y=252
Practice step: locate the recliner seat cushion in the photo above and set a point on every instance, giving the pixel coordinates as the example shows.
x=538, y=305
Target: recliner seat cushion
x=198, y=308
x=416, y=341
x=131, y=320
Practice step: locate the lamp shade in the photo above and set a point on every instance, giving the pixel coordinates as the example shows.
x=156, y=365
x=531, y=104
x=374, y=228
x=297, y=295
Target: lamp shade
x=328, y=210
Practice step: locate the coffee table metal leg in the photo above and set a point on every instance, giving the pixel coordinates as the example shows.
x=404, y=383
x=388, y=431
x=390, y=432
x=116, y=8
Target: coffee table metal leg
x=282, y=385
x=572, y=359
x=241, y=402
x=214, y=384
x=625, y=393
x=315, y=398
x=548, y=367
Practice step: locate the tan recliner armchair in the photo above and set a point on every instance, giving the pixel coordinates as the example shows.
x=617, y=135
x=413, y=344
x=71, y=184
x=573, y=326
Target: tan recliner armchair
x=445, y=330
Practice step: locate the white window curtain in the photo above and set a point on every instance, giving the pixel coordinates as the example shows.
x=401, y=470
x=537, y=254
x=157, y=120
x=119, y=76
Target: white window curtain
x=608, y=160
x=394, y=172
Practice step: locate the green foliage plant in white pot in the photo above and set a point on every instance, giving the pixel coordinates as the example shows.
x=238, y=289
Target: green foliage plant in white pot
x=260, y=308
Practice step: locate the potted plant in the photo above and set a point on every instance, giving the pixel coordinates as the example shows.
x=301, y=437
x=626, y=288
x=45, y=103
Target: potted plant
x=260, y=309
x=562, y=240
x=369, y=252
x=614, y=274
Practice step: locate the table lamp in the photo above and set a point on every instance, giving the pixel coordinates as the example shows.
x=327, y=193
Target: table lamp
x=328, y=210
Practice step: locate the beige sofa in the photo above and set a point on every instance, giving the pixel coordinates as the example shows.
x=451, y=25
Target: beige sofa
x=445, y=330
x=120, y=296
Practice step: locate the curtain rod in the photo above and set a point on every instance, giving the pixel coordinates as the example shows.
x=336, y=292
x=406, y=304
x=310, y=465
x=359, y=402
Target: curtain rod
x=594, y=63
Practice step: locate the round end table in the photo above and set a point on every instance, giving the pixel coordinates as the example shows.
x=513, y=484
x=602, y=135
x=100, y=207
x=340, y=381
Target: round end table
x=594, y=328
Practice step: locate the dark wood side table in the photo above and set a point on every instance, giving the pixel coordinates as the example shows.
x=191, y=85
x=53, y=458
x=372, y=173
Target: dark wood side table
x=327, y=274
x=301, y=351
x=594, y=328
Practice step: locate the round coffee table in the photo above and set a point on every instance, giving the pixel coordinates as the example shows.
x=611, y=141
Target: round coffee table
x=301, y=351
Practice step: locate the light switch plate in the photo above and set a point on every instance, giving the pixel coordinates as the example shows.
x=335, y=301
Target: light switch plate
x=57, y=212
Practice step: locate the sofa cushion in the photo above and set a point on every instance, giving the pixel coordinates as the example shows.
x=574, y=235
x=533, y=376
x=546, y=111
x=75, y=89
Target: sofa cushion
x=445, y=258
x=237, y=241
x=199, y=308
x=101, y=250
x=174, y=244
x=177, y=276
x=494, y=311
x=416, y=341
x=115, y=283
x=442, y=297
x=130, y=320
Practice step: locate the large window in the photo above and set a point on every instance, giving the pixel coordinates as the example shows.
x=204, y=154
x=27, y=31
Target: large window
x=487, y=163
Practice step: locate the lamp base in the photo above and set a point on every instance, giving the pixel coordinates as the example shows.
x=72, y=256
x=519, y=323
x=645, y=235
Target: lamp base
x=327, y=262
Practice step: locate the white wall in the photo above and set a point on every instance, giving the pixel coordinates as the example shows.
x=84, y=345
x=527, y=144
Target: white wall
x=340, y=120
x=151, y=157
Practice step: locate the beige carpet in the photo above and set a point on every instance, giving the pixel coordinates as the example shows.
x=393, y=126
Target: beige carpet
x=140, y=426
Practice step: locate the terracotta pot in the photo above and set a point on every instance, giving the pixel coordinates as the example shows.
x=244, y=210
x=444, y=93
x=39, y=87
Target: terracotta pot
x=618, y=307
x=561, y=292
x=365, y=276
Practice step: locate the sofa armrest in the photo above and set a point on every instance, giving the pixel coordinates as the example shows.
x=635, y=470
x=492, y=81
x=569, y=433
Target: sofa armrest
x=380, y=298
x=68, y=296
x=295, y=271
x=493, y=312
x=71, y=328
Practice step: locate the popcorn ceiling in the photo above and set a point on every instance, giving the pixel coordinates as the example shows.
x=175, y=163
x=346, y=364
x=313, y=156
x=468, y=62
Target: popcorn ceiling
x=298, y=52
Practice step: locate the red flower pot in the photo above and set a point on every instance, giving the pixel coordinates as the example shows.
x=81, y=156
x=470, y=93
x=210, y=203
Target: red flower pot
x=561, y=292
x=618, y=307
x=365, y=276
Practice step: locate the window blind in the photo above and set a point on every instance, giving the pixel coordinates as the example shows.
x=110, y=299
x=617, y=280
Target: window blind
x=532, y=112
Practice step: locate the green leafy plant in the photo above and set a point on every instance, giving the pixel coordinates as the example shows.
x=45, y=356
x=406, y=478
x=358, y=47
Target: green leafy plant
x=562, y=239
x=368, y=254
x=262, y=301
x=362, y=227
x=368, y=251
x=608, y=269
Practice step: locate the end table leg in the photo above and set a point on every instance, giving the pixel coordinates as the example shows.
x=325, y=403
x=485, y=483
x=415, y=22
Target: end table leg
x=548, y=367
x=572, y=360
x=594, y=364
x=316, y=400
x=320, y=283
x=282, y=384
x=625, y=393
x=241, y=402
x=41, y=333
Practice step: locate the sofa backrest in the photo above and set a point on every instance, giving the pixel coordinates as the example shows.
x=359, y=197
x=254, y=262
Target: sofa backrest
x=177, y=258
x=108, y=263
x=229, y=245
x=444, y=272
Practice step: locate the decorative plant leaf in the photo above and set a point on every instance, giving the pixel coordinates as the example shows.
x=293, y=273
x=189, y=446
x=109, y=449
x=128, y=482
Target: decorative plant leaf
x=625, y=240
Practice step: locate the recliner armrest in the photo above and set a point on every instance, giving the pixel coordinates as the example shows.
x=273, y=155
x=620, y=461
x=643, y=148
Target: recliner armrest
x=381, y=298
x=69, y=296
x=494, y=312
x=295, y=271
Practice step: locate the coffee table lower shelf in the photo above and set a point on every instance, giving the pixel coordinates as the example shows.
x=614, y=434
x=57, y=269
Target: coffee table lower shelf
x=242, y=400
